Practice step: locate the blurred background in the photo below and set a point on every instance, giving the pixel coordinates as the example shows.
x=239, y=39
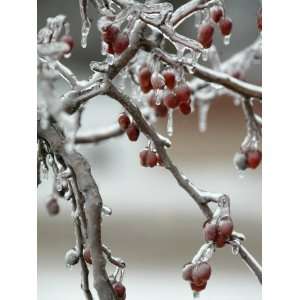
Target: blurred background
x=155, y=226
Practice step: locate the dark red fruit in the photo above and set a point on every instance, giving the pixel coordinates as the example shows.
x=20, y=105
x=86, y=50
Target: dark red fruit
x=124, y=121
x=143, y=157
x=68, y=40
x=220, y=241
x=205, y=34
x=121, y=43
x=259, y=20
x=152, y=100
x=110, y=49
x=119, y=289
x=52, y=207
x=145, y=79
x=133, y=132
x=198, y=287
x=183, y=93
x=225, y=25
x=161, y=110
x=201, y=272
x=170, y=79
x=253, y=158
x=185, y=108
x=151, y=159
x=171, y=100
x=110, y=33
x=216, y=14
x=87, y=255
x=187, y=272
x=210, y=231
x=225, y=228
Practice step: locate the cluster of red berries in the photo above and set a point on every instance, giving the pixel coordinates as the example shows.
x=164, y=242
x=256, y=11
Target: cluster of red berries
x=117, y=41
x=118, y=287
x=197, y=274
x=149, y=158
x=176, y=95
x=247, y=159
x=69, y=41
x=206, y=30
x=219, y=232
x=131, y=128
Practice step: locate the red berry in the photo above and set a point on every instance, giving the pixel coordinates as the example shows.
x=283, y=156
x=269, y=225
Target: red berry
x=210, y=231
x=171, y=100
x=143, y=157
x=121, y=43
x=110, y=49
x=161, y=110
x=157, y=81
x=110, y=33
x=220, y=241
x=185, y=108
x=52, y=207
x=119, y=289
x=187, y=272
x=133, y=132
x=87, y=255
x=124, y=121
x=183, y=93
x=68, y=40
x=151, y=159
x=170, y=79
x=205, y=34
x=216, y=13
x=237, y=75
x=145, y=79
x=198, y=287
x=201, y=272
x=259, y=20
x=152, y=101
x=253, y=158
x=225, y=25
x=225, y=227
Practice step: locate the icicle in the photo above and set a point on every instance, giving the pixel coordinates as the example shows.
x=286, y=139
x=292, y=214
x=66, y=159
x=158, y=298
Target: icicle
x=170, y=129
x=236, y=247
x=227, y=39
x=195, y=57
x=204, y=54
x=85, y=29
x=205, y=253
x=203, y=111
x=44, y=170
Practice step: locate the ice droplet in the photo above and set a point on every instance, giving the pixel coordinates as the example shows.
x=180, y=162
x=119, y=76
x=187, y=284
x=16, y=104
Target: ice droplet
x=205, y=253
x=44, y=170
x=110, y=59
x=170, y=129
x=227, y=39
x=203, y=111
x=241, y=174
x=204, y=54
x=85, y=29
x=236, y=247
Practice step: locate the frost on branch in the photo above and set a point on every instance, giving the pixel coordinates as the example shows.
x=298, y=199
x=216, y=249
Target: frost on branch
x=149, y=83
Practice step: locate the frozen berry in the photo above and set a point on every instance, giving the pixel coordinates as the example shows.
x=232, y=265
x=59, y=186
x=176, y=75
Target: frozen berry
x=133, y=132
x=71, y=257
x=161, y=110
x=201, y=272
x=152, y=100
x=145, y=79
x=183, y=93
x=185, y=108
x=87, y=255
x=220, y=241
x=52, y=207
x=198, y=287
x=210, y=231
x=170, y=79
x=119, y=289
x=225, y=227
x=143, y=157
x=157, y=81
x=121, y=43
x=253, y=158
x=110, y=33
x=225, y=25
x=124, y=121
x=259, y=20
x=216, y=13
x=205, y=34
x=151, y=159
x=110, y=49
x=240, y=161
x=171, y=100
x=187, y=272
x=69, y=41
